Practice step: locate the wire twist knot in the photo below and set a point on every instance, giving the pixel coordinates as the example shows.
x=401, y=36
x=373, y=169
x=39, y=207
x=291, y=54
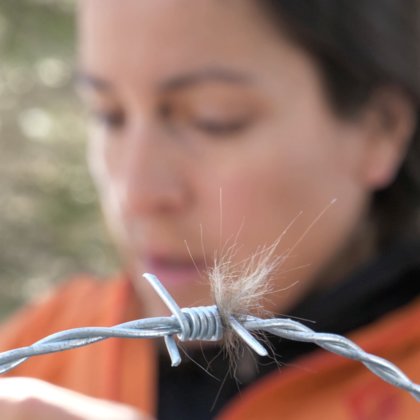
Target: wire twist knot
x=204, y=323
x=198, y=323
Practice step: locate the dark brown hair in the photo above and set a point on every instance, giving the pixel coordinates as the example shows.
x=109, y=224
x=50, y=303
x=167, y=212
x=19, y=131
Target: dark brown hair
x=360, y=46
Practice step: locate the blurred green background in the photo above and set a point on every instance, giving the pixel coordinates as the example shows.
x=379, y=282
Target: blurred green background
x=50, y=224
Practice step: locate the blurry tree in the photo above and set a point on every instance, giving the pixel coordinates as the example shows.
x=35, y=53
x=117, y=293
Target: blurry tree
x=50, y=225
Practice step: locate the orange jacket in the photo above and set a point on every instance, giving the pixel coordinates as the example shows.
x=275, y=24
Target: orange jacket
x=318, y=386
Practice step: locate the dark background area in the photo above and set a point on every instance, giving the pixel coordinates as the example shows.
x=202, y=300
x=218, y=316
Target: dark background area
x=50, y=224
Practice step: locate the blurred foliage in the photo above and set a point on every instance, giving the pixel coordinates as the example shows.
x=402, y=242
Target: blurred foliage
x=50, y=224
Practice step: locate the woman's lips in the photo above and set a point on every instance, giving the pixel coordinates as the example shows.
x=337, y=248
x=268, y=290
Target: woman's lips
x=174, y=271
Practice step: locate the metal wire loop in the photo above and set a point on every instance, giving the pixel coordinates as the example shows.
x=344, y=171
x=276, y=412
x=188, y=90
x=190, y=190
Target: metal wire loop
x=204, y=322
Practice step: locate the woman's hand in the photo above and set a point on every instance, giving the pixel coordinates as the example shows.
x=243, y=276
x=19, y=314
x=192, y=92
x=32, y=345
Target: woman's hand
x=27, y=398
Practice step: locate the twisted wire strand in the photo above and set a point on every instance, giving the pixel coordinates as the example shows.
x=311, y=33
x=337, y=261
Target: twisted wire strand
x=205, y=324
x=293, y=330
x=79, y=337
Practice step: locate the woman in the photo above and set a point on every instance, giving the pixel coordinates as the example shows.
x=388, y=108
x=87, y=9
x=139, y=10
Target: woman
x=216, y=123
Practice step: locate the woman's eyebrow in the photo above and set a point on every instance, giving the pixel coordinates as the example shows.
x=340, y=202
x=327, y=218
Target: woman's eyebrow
x=203, y=76
x=86, y=80
x=173, y=83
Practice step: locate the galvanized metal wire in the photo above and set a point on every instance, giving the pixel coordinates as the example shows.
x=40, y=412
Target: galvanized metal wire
x=205, y=324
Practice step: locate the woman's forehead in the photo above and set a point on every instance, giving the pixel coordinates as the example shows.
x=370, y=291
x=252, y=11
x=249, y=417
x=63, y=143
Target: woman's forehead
x=170, y=31
x=149, y=43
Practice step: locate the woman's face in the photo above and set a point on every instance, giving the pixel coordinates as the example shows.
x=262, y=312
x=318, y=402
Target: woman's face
x=210, y=128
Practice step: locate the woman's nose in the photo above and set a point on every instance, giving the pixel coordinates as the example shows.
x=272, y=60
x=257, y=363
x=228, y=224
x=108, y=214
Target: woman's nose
x=152, y=180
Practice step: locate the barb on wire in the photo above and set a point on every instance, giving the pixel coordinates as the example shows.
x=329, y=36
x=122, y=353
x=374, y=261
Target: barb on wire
x=204, y=323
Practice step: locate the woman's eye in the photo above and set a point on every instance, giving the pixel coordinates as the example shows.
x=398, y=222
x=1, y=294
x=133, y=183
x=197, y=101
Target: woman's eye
x=221, y=128
x=113, y=120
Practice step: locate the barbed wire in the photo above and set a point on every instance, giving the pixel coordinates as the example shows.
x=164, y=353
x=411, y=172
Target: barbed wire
x=205, y=323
